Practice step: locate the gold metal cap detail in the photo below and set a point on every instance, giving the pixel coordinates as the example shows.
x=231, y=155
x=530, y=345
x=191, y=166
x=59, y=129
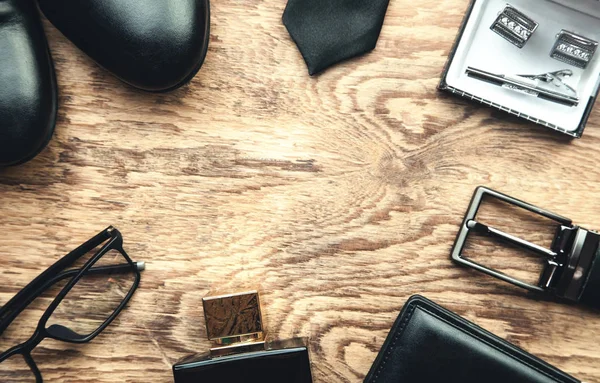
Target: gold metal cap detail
x=233, y=318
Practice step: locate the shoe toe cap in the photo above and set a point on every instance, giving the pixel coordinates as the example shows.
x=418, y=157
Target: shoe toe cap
x=155, y=46
x=26, y=125
x=28, y=94
x=164, y=57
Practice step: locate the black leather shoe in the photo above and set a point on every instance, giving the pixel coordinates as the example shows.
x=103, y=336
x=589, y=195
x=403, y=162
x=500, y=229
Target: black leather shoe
x=154, y=45
x=28, y=95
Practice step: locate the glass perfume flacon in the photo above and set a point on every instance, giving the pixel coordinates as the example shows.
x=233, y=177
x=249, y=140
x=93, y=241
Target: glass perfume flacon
x=241, y=353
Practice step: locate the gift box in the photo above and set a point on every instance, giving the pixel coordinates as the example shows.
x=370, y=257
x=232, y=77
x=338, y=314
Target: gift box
x=536, y=59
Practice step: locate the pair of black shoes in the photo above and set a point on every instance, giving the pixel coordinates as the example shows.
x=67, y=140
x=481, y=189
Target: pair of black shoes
x=154, y=45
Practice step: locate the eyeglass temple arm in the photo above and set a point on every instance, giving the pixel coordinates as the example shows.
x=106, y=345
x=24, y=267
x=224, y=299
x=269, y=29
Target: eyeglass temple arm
x=112, y=269
x=52, y=271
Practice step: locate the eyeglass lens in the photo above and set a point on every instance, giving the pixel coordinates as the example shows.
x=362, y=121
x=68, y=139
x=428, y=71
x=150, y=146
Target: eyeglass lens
x=95, y=297
x=85, y=308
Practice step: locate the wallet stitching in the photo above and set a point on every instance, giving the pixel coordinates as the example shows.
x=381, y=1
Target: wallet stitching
x=405, y=321
x=506, y=352
x=392, y=345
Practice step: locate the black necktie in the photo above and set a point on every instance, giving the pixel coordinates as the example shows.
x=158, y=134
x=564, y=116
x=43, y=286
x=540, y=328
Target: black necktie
x=330, y=31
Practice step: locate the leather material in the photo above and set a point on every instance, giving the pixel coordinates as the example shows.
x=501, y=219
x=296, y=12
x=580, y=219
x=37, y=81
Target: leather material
x=28, y=92
x=430, y=344
x=330, y=31
x=590, y=294
x=152, y=45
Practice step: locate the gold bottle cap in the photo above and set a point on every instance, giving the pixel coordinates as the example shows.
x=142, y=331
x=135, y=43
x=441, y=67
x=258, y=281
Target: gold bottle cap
x=234, y=321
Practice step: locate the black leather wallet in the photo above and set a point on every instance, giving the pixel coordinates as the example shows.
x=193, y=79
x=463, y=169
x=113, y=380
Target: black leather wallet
x=431, y=344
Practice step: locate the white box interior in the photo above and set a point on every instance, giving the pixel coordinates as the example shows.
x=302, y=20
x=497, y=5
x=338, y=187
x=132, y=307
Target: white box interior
x=482, y=48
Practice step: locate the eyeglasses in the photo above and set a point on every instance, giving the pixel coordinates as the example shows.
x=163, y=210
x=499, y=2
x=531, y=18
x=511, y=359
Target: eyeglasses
x=92, y=298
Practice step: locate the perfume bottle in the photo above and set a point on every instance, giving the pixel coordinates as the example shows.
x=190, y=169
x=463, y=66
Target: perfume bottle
x=241, y=352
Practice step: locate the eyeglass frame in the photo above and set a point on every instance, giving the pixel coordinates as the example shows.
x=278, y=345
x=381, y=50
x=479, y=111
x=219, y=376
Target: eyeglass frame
x=52, y=275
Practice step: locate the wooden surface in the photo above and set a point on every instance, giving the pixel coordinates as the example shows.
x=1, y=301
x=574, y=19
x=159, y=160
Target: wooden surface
x=337, y=196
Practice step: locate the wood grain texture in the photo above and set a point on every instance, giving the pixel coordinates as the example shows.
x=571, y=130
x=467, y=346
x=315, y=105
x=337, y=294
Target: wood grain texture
x=338, y=197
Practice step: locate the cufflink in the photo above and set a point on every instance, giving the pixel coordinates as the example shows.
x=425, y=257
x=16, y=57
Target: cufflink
x=573, y=49
x=514, y=26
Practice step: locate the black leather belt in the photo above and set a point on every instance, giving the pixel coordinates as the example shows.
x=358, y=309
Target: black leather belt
x=572, y=269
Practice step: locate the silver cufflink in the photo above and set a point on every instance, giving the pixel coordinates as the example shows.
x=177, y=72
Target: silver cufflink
x=573, y=49
x=514, y=26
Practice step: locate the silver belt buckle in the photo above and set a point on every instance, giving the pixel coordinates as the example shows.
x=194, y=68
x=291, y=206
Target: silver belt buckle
x=568, y=260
